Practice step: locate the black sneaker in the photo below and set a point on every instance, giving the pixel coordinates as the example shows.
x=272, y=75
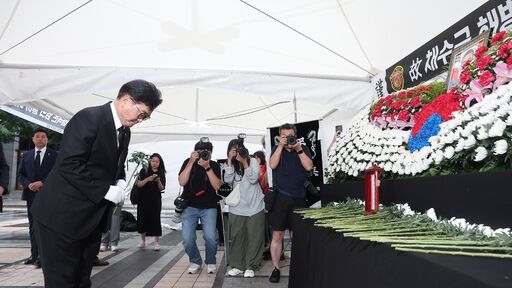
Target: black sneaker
x=274, y=277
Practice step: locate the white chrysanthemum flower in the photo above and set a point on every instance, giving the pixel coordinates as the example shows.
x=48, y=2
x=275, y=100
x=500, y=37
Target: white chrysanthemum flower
x=481, y=154
x=439, y=156
x=500, y=147
x=406, y=209
x=448, y=152
x=431, y=213
x=505, y=231
x=460, y=145
x=458, y=222
x=433, y=139
x=470, y=142
x=497, y=128
x=449, y=138
x=482, y=134
x=509, y=120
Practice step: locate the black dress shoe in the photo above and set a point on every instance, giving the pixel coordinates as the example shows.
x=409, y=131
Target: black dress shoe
x=29, y=260
x=37, y=263
x=275, y=276
x=99, y=262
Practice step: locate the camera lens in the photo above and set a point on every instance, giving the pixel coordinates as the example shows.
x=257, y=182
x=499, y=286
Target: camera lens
x=179, y=204
x=292, y=140
x=203, y=154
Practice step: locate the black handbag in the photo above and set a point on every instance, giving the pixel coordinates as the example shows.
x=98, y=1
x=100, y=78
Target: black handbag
x=270, y=198
x=135, y=194
x=311, y=188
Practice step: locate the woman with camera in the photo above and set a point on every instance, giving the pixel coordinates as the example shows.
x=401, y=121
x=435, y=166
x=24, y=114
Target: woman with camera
x=247, y=218
x=151, y=183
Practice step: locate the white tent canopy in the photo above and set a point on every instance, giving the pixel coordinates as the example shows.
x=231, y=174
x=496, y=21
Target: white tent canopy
x=213, y=60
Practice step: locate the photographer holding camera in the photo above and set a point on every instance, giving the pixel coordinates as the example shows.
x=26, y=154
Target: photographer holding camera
x=247, y=219
x=290, y=163
x=200, y=178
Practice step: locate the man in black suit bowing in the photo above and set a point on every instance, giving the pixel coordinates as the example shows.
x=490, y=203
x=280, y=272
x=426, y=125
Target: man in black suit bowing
x=35, y=165
x=88, y=179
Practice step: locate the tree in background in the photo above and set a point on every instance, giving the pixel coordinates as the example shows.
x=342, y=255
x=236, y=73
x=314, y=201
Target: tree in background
x=13, y=126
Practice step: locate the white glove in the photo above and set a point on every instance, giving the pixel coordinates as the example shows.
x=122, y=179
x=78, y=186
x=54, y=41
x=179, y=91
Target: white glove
x=115, y=194
x=121, y=183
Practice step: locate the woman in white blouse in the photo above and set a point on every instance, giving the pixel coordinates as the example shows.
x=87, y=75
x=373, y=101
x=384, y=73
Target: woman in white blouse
x=247, y=219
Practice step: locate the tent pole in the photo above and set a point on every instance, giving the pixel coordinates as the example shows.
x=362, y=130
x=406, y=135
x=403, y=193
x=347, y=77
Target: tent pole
x=197, y=105
x=294, y=107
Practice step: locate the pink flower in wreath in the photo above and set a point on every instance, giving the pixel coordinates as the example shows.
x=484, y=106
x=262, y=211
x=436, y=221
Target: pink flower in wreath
x=476, y=91
x=503, y=74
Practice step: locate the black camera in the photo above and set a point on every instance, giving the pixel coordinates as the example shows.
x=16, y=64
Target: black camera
x=203, y=154
x=180, y=204
x=311, y=188
x=291, y=140
x=242, y=151
x=203, y=147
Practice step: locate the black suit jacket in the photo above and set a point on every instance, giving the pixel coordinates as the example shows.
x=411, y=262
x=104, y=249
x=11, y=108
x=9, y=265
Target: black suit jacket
x=72, y=201
x=27, y=171
x=4, y=171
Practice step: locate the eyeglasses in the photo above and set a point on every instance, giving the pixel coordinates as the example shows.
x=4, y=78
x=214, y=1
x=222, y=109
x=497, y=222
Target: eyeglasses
x=142, y=115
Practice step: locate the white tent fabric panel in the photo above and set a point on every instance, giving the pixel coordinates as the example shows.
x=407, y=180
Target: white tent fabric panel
x=234, y=54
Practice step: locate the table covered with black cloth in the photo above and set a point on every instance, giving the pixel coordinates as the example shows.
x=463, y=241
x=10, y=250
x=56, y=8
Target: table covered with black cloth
x=322, y=257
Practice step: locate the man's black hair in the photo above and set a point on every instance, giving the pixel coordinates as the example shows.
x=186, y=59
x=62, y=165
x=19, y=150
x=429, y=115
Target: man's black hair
x=288, y=126
x=40, y=130
x=142, y=91
x=203, y=145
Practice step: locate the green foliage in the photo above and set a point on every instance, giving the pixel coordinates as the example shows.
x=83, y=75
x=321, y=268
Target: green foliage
x=142, y=160
x=12, y=126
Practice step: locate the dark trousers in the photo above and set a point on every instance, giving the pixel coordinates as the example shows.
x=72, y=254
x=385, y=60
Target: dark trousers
x=220, y=228
x=66, y=262
x=33, y=243
x=1, y=204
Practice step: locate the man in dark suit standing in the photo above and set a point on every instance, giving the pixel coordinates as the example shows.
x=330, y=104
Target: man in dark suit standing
x=4, y=176
x=35, y=165
x=86, y=182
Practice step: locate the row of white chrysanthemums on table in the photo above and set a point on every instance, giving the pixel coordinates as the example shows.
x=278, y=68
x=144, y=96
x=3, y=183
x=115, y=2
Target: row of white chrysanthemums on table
x=365, y=144
x=460, y=223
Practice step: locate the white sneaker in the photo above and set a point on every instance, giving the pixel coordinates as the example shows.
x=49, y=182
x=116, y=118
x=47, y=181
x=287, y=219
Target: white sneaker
x=249, y=273
x=235, y=272
x=211, y=268
x=193, y=268
x=142, y=244
x=103, y=248
x=157, y=247
x=114, y=248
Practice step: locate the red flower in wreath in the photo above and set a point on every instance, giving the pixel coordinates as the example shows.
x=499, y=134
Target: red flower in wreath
x=486, y=78
x=498, y=37
x=480, y=51
x=484, y=62
x=464, y=77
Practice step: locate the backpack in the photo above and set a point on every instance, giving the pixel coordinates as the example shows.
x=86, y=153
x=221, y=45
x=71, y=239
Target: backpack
x=128, y=222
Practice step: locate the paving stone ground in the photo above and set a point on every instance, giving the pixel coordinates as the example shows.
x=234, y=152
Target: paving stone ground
x=130, y=266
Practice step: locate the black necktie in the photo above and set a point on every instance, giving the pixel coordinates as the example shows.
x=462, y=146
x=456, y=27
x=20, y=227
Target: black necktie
x=37, y=163
x=120, y=139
